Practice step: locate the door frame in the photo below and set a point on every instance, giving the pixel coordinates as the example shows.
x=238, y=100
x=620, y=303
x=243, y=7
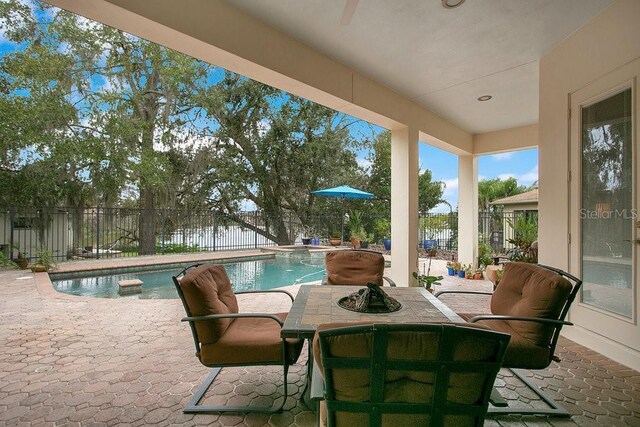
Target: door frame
x=619, y=328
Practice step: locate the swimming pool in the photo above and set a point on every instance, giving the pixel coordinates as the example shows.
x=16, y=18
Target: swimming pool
x=246, y=275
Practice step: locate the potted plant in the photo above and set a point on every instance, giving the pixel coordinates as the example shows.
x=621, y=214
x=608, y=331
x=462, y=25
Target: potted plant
x=451, y=268
x=459, y=269
x=426, y=281
x=335, y=239
x=468, y=272
x=21, y=261
x=365, y=238
x=45, y=261
x=477, y=275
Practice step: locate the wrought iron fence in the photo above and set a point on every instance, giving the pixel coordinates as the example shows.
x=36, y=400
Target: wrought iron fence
x=98, y=232
x=499, y=229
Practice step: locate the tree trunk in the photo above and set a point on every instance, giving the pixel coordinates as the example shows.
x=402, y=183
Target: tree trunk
x=147, y=222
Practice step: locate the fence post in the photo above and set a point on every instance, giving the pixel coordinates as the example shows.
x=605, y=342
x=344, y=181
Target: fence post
x=97, y=232
x=163, y=217
x=255, y=232
x=12, y=215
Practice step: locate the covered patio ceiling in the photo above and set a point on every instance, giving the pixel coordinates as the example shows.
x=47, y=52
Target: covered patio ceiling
x=443, y=59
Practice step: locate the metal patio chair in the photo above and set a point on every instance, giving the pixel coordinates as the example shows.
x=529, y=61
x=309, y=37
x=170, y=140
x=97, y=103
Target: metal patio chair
x=530, y=304
x=224, y=337
x=407, y=374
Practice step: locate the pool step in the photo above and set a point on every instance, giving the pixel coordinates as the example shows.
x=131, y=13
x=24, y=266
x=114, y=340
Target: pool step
x=128, y=287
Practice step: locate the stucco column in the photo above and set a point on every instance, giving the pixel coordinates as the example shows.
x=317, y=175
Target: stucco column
x=467, y=209
x=404, y=205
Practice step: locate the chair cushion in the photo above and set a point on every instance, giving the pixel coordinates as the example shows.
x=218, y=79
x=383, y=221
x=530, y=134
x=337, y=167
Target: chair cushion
x=521, y=353
x=354, y=268
x=207, y=290
x=249, y=341
x=532, y=291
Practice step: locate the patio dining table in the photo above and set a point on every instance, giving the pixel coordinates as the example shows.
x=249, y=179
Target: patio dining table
x=318, y=304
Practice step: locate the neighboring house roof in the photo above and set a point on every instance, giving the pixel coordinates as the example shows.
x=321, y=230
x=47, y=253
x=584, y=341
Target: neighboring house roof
x=526, y=197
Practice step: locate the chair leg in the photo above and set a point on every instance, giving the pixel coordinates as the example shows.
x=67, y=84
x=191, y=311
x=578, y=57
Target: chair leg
x=499, y=405
x=193, y=407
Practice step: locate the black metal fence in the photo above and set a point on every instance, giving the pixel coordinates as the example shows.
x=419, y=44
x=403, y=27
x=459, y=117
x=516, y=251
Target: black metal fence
x=498, y=229
x=69, y=233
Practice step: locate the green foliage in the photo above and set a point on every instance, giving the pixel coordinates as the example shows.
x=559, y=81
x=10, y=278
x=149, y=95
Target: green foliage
x=380, y=176
x=434, y=224
x=45, y=257
x=95, y=116
x=426, y=281
x=525, y=232
x=354, y=223
x=484, y=254
x=429, y=192
x=493, y=189
x=6, y=262
x=381, y=229
x=177, y=248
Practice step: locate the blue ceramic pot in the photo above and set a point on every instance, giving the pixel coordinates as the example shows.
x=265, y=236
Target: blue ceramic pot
x=387, y=244
x=428, y=244
x=451, y=271
x=461, y=274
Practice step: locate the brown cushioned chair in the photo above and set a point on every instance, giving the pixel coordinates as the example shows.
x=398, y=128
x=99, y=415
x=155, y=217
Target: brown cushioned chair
x=224, y=337
x=407, y=374
x=530, y=304
x=355, y=267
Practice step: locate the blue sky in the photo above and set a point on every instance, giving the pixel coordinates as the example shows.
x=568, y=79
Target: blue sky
x=522, y=165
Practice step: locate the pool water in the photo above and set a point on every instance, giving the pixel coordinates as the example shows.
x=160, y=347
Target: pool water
x=157, y=284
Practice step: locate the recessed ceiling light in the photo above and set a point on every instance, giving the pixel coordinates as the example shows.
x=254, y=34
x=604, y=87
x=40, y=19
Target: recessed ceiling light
x=450, y=4
x=485, y=98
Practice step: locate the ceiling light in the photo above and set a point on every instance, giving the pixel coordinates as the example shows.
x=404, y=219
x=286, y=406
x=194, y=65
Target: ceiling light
x=485, y=98
x=450, y=4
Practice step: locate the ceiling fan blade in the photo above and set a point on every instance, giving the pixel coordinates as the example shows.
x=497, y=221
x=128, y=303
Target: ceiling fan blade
x=349, y=10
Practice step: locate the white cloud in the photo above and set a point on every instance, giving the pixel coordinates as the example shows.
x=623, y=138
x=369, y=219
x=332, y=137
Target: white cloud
x=502, y=156
x=451, y=186
x=526, y=178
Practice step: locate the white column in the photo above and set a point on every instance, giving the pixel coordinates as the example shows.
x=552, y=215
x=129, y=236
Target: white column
x=468, y=209
x=404, y=205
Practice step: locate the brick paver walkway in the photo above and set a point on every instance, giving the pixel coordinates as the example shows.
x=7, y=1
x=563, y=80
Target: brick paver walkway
x=67, y=360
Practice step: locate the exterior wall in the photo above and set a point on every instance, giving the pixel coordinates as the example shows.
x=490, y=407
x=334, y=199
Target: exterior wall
x=519, y=138
x=607, y=42
x=58, y=236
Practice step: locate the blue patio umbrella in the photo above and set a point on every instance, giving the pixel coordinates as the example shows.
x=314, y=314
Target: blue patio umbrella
x=344, y=192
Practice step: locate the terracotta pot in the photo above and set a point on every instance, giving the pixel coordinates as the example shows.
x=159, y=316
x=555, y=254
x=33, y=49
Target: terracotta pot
x=335, y=241
x=22, y=263
x=38, y=268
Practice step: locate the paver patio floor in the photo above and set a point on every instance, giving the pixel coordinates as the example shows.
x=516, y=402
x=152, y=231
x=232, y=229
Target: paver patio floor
x=68, y=360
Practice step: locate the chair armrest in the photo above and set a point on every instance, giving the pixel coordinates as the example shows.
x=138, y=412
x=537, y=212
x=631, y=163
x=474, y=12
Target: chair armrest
x=462, y=292
x=266, y=291
x=233, y=316
x=520, y=318
x=391, y=282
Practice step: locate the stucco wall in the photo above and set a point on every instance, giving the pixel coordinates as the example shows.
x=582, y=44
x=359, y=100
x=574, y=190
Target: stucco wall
x=609, y=41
